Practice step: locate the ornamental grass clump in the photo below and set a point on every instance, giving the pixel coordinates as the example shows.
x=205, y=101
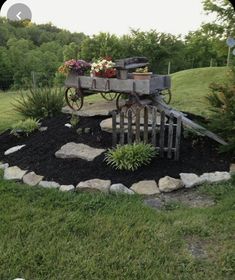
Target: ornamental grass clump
x=40, y=103
x=131, y=156
x=25, y=127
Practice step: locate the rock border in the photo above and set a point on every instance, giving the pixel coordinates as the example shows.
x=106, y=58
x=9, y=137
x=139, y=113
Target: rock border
x=146, y=187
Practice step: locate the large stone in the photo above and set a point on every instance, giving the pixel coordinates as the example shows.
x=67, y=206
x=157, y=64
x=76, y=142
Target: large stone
x=169, y=184
x=13, y=149
x=120, y=188
x=14, y=173
x=67, y=188
x=4, y=165
x=190, y=180
x=32, y=179
x=98, y=108
x=82, y=151
x=146, y=187
x=49, y=184
x=95, y=184
x=214, y=177
x=232, y=168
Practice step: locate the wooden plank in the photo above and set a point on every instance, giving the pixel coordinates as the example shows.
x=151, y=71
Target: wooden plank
x=145, y=124
x=178, y=138
x=114, y=128
x=129, y=127
x=170, y=136
x=161, y=105
x=122, y=135
x=137, y=126
x=154, y=122
x=162, y=134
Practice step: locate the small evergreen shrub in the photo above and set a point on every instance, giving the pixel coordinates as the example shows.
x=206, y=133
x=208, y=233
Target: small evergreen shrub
x=130, y=157
x=40, y=103
x=222, y=106
x=26, y=127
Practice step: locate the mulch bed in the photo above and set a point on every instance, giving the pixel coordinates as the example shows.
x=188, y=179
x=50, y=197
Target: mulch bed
x=197, y=155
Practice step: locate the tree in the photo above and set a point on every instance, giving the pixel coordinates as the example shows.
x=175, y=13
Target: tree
x=225, y=15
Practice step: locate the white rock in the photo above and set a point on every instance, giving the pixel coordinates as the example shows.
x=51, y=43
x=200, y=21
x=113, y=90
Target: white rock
x=217, y=176
x=95, y=184
x=4, y=166
x=190, y=180
x=74, y=150
x=68, y=125
x=32, y=179
x=49, y=184
x=14, y=173
x=43, y=128
x=120, y=188
x=146, y=187
x=232, y=168
x=169, y=184
x=67, y=188
x=14, y=149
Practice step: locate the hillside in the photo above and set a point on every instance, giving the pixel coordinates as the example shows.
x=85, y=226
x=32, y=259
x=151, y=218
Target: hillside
x=189, y=88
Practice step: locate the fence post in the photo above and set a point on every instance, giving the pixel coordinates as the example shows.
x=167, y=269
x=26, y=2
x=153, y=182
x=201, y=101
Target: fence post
x=114, y=128
x=129, y=131
x=145, y=124
x=177, y=137
x=137, y=126
x=170, y=135
x=162, y=134
x=122, y=128
x=154, y=122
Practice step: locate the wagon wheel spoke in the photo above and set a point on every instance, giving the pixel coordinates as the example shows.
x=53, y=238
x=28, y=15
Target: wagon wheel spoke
x=74, y=98
x=166, y=94
x=109, y=95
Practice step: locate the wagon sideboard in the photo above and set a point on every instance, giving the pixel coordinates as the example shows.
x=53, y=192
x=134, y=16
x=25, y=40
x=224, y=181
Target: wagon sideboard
x=141, y=87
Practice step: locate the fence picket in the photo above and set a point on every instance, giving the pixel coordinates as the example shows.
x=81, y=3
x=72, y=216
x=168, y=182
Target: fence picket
x=137, y=126
x=154, y=122
x=177, y=137
x=122, y=135
x=129, y=125
x=145, y=124
x=114, y=127
x=170, y=135
x=162, y=134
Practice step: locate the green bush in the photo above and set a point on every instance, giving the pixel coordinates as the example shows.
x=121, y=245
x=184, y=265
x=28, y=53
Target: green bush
x=222, y=106
x=40, y=103
x=27, y=126
x=130, y=157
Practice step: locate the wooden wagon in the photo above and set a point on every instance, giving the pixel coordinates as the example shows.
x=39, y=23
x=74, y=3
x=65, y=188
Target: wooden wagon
x=127, y=91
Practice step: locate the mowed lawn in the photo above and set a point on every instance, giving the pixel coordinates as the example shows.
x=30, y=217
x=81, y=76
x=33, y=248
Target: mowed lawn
x=189, y=88
x=46, y=234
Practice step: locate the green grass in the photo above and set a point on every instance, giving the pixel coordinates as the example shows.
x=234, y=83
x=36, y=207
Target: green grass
x=189, y=88
x=46, y=234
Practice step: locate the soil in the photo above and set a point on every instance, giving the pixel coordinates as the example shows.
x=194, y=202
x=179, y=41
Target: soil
x=197, y=155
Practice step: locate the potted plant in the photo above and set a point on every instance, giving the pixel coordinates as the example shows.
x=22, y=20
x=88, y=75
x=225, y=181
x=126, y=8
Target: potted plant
x=72, y=66
x=142, y=74
x=103, y=67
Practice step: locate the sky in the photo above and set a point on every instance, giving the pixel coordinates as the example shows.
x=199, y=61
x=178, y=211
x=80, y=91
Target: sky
x=117, y=17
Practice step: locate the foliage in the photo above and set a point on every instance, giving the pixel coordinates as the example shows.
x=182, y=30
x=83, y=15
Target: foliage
x=73, y=65
x=26, y=126
x=74, y=120
x=142, y=70
x=40, y=102
x=222, y=102
x=130, y=157
x=225, y=15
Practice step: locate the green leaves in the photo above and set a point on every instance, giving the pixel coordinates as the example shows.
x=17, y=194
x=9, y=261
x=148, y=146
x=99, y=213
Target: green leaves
x=27, y=126
x=130, y=157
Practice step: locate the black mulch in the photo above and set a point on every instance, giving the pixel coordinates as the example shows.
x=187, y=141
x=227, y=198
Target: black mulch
x=198, y=155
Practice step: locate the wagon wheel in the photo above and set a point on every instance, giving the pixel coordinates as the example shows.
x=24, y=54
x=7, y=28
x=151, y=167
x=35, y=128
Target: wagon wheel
x=166, y=94
x=74, y=98
x=123, y=104
x=109, y=95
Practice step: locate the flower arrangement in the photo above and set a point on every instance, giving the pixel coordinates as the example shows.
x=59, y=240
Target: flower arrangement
x=77, y=66
x=103, y=67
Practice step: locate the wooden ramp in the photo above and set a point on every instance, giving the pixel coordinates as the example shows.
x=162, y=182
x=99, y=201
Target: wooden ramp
x=162, y=106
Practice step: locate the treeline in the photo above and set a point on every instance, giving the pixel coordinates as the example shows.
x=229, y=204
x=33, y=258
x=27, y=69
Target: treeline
x=32, y=53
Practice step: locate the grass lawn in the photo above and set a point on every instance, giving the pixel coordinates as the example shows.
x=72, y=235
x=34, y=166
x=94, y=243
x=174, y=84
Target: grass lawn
x=46, y=234
x=189, y=88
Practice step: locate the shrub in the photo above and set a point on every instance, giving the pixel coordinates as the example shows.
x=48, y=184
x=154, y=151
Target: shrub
x=222, y=120
x=39, y=103
x=27, y=126
x=130, y=157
